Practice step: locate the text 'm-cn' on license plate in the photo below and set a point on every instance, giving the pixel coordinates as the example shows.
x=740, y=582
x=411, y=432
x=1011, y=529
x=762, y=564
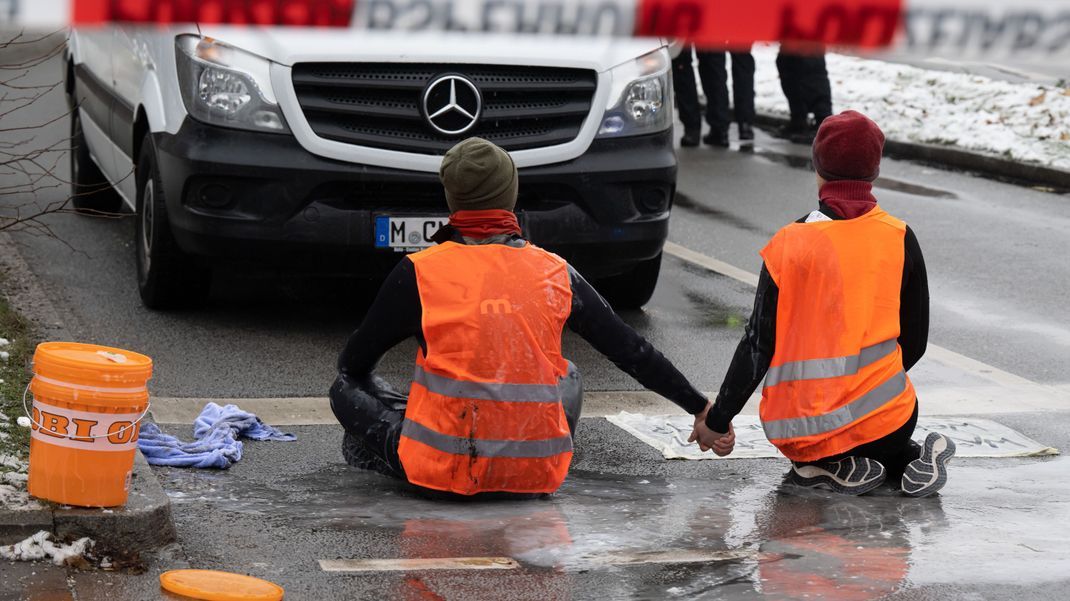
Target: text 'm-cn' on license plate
x=403, y=234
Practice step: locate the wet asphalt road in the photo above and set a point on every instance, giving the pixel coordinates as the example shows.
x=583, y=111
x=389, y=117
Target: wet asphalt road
x=997, y=257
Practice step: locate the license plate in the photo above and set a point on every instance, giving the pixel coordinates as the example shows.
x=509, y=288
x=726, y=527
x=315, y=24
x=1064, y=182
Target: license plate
x=404, y=234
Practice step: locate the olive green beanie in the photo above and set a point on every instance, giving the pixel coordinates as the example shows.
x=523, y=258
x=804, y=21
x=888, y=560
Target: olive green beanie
x=478, y=175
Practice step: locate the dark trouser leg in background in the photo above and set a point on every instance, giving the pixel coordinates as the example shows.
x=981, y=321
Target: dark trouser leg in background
x=743, y=86
x=816, y=90
x=788, y=67
x=714, y=75
x=686, y=92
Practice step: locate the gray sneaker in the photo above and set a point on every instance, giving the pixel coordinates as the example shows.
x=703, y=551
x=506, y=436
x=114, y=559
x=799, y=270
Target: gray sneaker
x=928, y=474
x=849, y=476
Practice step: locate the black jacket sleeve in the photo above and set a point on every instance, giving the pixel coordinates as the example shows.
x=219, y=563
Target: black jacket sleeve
x=394, y=316
x=594, y=320
x=913, y=303
x=751, y=359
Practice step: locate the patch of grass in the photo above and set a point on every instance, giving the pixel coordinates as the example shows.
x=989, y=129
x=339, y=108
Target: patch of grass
x=15, y=373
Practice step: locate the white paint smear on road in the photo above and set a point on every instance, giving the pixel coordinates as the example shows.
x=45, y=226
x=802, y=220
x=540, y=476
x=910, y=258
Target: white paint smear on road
x=418, y=564
x=973, y=437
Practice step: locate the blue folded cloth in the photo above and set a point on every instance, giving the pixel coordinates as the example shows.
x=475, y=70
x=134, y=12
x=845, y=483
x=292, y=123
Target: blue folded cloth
x=216, y=432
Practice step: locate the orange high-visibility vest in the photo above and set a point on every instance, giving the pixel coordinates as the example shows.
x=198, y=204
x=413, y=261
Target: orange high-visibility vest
x=836, y=379
x=484, y=411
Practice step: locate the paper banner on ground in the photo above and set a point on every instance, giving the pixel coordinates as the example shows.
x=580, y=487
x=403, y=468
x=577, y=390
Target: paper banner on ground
x=973, y=437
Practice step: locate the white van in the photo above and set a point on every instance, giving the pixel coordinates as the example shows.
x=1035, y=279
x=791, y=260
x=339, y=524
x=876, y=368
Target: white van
x=305, y=146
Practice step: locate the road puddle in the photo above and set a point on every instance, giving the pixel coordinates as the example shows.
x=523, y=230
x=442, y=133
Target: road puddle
x=746, y=536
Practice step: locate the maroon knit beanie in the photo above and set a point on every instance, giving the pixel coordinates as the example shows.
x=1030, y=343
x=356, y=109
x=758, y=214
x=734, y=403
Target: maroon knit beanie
x=848, y=146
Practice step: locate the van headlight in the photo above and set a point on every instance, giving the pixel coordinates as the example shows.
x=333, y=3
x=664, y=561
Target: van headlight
x=640, y=97
x=223, y=85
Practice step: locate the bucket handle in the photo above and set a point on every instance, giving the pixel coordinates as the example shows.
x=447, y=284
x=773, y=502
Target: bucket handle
x=29, y=416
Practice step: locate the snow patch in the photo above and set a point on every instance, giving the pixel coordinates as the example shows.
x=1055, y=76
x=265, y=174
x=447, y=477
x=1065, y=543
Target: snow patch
x=13, y=462
x=40, y=546
x=13, y=493
x=17, y=499
x=1025, y=122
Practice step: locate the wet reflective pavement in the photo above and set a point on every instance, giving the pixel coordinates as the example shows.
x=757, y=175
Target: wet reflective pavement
x=637, y=527
x=627, y=524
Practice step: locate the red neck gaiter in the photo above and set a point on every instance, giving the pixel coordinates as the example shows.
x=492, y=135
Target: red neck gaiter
x=485, y=223
x=849, y=198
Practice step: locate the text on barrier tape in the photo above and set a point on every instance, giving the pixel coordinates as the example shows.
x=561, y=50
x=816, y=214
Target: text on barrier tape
x=1035, y=31
x=845, y=22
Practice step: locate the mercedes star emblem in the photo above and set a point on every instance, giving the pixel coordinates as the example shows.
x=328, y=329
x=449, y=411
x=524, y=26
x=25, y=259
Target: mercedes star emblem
x=452, y=104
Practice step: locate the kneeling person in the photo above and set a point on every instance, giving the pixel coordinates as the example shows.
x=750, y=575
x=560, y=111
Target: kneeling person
x=493, y=405
x=840, y=315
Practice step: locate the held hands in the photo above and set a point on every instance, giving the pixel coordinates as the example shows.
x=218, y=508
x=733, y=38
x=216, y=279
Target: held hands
x=721, y=443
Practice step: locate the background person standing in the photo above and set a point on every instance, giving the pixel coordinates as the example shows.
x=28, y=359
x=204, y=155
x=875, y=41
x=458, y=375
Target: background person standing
x=715, y=82
x=804, y=79
x=714, y=74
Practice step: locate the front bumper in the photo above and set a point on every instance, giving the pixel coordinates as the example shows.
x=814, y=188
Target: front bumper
x=246, y=195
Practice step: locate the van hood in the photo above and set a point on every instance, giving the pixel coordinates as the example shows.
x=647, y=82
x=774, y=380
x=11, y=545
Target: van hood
x=287, y=46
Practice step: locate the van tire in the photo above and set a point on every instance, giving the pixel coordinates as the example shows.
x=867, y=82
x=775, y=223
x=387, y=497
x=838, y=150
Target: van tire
x=90, y=191
x=633, y=288
x=167, y=277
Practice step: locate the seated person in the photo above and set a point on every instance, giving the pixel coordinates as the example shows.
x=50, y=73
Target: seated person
x=493, y=405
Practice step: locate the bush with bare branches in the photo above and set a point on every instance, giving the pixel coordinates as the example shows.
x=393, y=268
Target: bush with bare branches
x=33, y=182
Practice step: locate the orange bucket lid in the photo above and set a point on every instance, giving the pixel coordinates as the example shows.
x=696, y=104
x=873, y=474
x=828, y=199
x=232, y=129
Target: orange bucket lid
x=212, y=585
x=91, y=364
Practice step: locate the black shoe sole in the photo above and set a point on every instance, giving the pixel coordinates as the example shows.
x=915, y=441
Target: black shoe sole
x=357, y=456
x=837, y=485
x=928, y=474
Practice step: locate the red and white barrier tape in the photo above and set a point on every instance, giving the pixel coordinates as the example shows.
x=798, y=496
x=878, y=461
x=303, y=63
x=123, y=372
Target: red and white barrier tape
x=1030, y=30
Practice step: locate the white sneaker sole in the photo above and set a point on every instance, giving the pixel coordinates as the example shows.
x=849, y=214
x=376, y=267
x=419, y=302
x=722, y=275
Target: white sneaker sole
x=812, y=476
x=928, y=474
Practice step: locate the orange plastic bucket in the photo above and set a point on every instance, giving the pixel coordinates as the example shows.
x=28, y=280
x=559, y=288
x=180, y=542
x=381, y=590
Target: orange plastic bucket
x=88, y=401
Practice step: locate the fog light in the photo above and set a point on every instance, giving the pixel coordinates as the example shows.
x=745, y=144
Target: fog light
x=653, y=200
x=215, y=196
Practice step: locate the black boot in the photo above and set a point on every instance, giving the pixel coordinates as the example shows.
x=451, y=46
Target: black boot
x=690, y=138
x=717, y=138
x=358, y=456
x=746, y=131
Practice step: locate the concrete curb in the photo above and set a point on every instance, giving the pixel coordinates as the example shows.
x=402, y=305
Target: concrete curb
x=946, y=156
x=143, y=524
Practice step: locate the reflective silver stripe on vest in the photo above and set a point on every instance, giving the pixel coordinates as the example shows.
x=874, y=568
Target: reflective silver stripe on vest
x=817, y=369
x=488, y=391
x=819, y=424
x=456, y=445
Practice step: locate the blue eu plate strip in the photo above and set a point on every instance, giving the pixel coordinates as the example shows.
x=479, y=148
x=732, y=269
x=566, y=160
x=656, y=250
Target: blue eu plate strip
x=382, y=232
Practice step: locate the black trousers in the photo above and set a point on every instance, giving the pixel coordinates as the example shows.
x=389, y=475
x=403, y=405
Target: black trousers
x=714, y=75
x=894, y=451
x=805, y=81
x=373, y=412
